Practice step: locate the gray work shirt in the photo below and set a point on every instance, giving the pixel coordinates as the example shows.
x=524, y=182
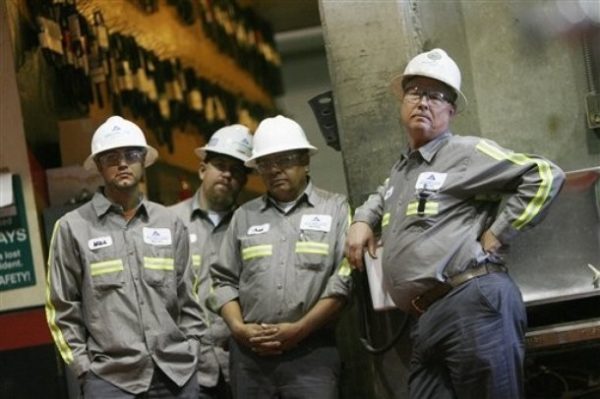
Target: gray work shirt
x=279, y=265
x=120, y=294
x=205, y=240
x=440, y=198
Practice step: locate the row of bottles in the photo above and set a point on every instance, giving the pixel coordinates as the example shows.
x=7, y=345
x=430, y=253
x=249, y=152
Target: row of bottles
x=92, y=63
x=238, y=32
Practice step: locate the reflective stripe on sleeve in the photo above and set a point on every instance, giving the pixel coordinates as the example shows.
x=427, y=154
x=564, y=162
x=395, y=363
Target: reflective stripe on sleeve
x=65, y=352
x=257, y=251
x=312, y=247
x=109, y=266
x=159, y=263
x=385, y=220
x=344, y=268
x=545, y=172
x=196, y=260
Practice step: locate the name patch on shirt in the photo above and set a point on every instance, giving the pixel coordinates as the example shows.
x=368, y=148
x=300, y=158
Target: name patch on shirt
x=157, y=236
x=431, y=181
x=100, y=242
x=316, y=222
x=259, y=229
x=193, y=238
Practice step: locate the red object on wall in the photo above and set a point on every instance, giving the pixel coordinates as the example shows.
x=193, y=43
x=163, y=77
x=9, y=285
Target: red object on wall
x=23, y=329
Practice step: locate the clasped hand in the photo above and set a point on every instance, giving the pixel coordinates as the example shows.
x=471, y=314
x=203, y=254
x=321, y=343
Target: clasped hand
x=269, y=339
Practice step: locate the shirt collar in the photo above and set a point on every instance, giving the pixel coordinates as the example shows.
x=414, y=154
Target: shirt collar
x=429, y=150
x=102, y=205
x=309, y=195
x=196, y=210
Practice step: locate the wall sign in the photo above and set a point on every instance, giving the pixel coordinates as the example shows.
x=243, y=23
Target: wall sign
x=16, y=262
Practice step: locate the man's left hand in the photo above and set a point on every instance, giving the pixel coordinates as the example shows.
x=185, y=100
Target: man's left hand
x=490, y=242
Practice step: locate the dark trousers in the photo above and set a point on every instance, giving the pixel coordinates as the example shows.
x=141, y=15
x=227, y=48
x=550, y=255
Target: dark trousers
x=309, y=371
x=219, y=391
x=470, y=344
x=161, y=387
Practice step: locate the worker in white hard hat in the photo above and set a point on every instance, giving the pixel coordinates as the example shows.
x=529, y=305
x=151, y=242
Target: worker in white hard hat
x=445, y=230
x=281, y=279
x=120, y=301
x=207, y=215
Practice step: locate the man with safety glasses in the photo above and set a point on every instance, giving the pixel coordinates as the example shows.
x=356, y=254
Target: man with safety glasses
x=207, y=215
x=446, y=214
x=120, y=301
x=281, y=278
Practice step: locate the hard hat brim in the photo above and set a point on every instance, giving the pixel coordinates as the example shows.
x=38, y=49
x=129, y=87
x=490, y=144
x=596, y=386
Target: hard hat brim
x=202, y=151
x=251, y=162
x=397, y=88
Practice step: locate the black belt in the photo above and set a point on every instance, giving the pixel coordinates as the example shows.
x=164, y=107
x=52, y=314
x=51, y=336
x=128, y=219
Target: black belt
x=420, y=303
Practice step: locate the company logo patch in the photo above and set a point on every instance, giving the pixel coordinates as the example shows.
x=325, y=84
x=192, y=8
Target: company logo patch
x=100, y=242
x=316, y=222
x=157, y=236
x=431, y=181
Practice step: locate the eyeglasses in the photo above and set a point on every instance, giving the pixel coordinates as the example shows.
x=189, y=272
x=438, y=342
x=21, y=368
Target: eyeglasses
x=114, y=157
x=279, y=162
x=413, y=95
x=237, y=171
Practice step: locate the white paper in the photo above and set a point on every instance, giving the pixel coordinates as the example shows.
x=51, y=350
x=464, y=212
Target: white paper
x=380, y=295
x=6, y=190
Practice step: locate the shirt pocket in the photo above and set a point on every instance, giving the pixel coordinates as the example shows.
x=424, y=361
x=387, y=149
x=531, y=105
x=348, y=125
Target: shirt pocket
x=257, y=252
x=312, y=250
x=158, y=265
x=107, y=273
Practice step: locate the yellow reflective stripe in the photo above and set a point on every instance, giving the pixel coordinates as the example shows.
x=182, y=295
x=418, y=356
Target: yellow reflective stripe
x=109, y=266
x=65, y=352
x=196, y=260
x=538, y=200
x=431, y=208
x=311, y=247
x=257, y=251
x=159, y=263
x=385, y=220
x=344, y=268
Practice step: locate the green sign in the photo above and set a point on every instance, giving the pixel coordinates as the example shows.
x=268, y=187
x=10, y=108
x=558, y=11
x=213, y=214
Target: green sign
x=16, y=263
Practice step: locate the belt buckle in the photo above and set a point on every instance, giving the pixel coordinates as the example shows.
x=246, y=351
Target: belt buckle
x=416, y=307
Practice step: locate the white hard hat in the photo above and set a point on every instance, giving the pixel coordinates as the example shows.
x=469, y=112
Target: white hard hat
x=278, y=134
x=234, y=140
x=434, y=64
x=117, y=132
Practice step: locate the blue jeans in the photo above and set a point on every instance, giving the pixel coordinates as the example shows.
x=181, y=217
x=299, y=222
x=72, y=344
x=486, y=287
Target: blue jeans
x=470, y=344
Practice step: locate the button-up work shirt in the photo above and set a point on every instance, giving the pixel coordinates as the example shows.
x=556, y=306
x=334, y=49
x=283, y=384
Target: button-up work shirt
x=119, y=294
x=278, y=265
x=438, y=201
x=205, y=240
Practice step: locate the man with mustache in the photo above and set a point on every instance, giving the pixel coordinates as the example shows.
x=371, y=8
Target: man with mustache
x=444, y=230
x=120, y=303
x=207, y=215
x=281, y=278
